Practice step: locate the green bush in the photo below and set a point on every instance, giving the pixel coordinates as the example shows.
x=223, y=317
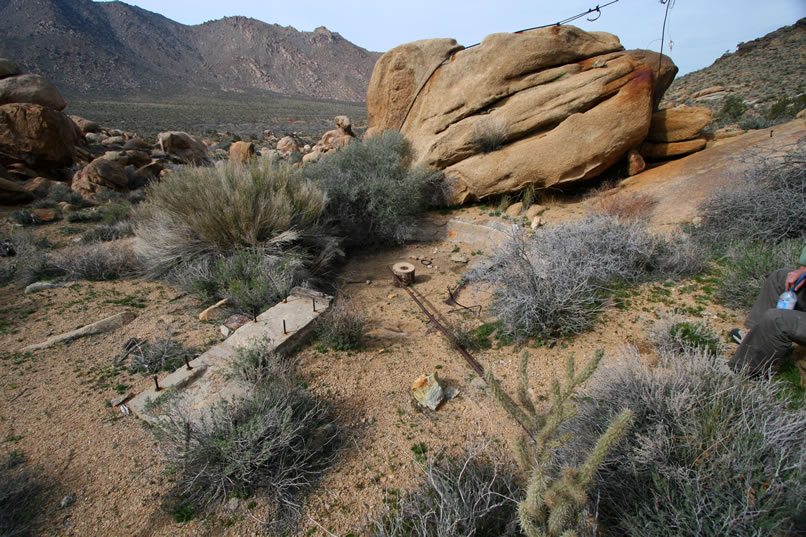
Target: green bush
x=342, y=327
x=684, y=337
x=457, y=497
x=710, y=453
x=374, y=196
x=745, y=266
x=274, y=441
x=254, y=281
x=733, y=108
x=197, y=213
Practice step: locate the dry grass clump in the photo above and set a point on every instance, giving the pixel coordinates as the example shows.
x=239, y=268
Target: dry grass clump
x=207, y=212
x=490, y=134
x=97, y=261
x=624, y=205
x=710, y=452
x=160, y=354
x=471, y=495
x=273, y=441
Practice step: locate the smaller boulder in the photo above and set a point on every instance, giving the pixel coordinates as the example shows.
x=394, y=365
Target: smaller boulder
x=183, y=146
x=515, y=210
x=126, y=158
x=8, y=68
x=312, y=157
x=152, y=169
x=287, y=144
x=241, y=152
x=99, y=175
x=635, y=162
x=534, y=210
x=660, y=151
x=427, y=391
x=678, y=124
x=30, y=89
x=85, y=125
x=137, y=144
x=39, y=186
x=12, y=193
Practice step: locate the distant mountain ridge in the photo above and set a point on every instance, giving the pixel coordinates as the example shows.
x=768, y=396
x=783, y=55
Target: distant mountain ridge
x=107, y=48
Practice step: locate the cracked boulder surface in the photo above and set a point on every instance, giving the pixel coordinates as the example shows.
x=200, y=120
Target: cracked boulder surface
x=540, y=107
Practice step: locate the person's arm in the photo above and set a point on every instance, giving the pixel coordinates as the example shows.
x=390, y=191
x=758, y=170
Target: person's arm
x=797, y=273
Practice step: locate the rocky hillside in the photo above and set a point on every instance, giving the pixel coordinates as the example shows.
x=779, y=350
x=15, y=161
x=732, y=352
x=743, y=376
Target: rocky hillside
x=759, y=73
x=108, y=48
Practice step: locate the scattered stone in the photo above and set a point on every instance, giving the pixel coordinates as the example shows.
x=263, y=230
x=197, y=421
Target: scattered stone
x=45, y=215
x=117, y=401
x=233, y=504
x=41, y=286
x=536, y=222
x=241, y=152
x=67, y=501
x=515, y=209
x=214, y=312
x=105, y=325
x=114, y=140
x=427, y=391
x=458, y=258
x=534, y=210
x=183, y=146
x=287, y=144
x=85, y=125
x=635, y=163
x=137, y=144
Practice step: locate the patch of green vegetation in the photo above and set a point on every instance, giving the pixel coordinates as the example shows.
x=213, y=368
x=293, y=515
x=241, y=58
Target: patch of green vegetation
x=790, y=376
x=419, y=451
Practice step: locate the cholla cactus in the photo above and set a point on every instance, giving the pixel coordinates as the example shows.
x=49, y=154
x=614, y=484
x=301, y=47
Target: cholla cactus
x=553, y=504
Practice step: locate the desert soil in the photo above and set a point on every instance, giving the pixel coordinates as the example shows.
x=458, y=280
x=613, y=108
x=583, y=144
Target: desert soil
x=54, y=402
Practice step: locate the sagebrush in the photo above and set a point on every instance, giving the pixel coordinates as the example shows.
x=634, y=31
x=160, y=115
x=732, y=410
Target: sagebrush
x=710, y=452
x=342, y=327
x=21, y=496
x=553, y=283
x=458, y=497
x=374, y=194
x=274, y=441
x=197, y=213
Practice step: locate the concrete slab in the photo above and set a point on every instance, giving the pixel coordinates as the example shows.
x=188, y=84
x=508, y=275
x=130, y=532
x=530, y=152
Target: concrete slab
x=209, y=379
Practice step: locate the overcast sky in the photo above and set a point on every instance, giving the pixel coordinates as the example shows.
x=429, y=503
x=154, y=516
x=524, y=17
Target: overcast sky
x=698, y=31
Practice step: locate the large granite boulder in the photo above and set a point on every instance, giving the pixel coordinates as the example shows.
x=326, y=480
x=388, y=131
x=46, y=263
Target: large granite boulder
x=184, y=147
x=38, y=136
x=30, y=89
x=541, y=107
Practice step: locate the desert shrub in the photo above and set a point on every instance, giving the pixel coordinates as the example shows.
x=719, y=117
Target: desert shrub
x=25, y=218
x=554, y=282
x=30, y=262
x=342, y=327
x=253, y=280
x=766, y=204
x=755, y=121
x=20, y=496
x=733, y=108
x=457, y=497
x=274, y=441
x=710, y=452
x=677, y=336
x=374, y=195
x=96, y=261
x=624, y=205
x=112, y=213
x=745, y=266
x=84, y=216
x=160, y=354
x=61, y=192
x=489, y=135
x=257, y=364
x=210, y=212
x=108, y=232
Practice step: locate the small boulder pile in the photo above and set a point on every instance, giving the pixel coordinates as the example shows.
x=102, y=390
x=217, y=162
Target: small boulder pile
x=332, y=140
